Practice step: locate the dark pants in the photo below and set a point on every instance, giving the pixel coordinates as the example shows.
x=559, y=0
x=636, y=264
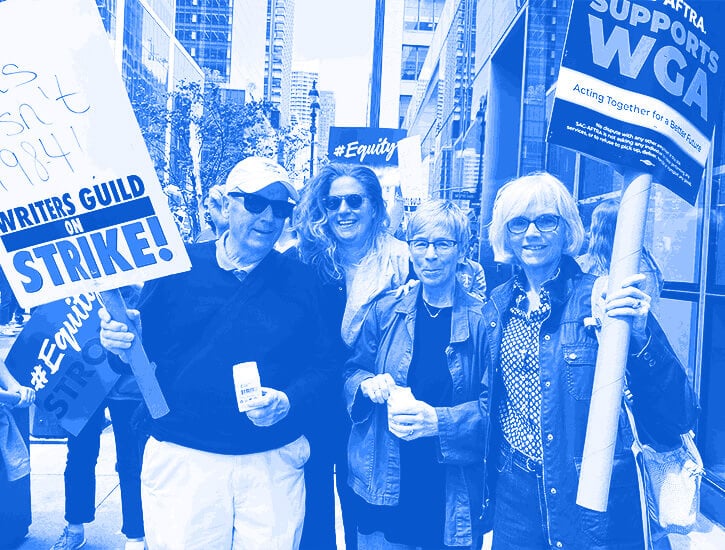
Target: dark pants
x=520, y=517
x=328, y=465
x=80, y=470
x=15, y=496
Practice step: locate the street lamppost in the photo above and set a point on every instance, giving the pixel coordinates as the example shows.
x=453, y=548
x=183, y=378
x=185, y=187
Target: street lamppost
x=481, y=119
x=314, y=107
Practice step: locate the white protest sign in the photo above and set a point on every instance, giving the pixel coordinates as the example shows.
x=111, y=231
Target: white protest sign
x=81, y=208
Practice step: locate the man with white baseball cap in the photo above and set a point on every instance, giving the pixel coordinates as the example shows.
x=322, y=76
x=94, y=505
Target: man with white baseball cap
x=214, y=477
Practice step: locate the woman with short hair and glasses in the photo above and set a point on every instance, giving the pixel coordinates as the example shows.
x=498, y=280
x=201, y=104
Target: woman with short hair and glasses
x=412, y=387
x=343, y=230
x=545, y=348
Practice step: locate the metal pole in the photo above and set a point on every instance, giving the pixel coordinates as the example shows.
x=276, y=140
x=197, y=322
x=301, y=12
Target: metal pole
x=313, y=129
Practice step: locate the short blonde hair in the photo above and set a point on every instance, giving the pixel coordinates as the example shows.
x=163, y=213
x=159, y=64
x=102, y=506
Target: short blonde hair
x=539, y=188
x=439, y=213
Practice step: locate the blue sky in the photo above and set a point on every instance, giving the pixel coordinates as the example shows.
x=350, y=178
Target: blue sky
x=334, y=38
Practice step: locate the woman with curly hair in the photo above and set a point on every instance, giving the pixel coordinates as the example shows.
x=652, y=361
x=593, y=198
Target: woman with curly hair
x=342, y=224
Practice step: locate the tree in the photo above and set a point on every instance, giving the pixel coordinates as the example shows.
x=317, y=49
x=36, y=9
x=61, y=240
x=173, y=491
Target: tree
x=198, y=133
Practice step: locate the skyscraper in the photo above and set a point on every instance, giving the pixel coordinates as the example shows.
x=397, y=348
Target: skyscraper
x=402, y=38
x=278, y=55
x=245, y=44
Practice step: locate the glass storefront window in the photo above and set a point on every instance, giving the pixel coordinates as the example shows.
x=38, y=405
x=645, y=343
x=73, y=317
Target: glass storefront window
x=711, y=436
x=674, y=235
x=678, y=318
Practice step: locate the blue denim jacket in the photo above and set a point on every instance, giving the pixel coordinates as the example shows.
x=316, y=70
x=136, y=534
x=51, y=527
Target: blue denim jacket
x=386, y=345
x=664, y=406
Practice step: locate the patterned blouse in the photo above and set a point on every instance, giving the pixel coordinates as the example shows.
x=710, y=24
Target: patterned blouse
x=520, y=410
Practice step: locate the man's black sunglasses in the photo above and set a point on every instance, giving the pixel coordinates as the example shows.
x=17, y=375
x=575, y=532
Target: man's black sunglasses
x=256, y=204
x=333, y=202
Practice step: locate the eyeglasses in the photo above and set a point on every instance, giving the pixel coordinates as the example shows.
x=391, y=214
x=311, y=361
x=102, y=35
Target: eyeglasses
x=420, y=246
x=256, y=204
x=333, y=202
x=546, y=223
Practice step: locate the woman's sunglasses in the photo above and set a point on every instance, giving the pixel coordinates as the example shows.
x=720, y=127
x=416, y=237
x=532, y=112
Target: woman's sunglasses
x=333, y=202
x=256, y=204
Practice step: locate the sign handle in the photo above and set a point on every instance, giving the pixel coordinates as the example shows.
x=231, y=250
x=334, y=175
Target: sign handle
x=601, y=435
x=143, y=369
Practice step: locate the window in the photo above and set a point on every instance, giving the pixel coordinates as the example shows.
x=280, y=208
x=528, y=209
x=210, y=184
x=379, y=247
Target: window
x=412, y=61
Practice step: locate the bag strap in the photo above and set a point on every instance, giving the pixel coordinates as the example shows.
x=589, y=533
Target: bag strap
x=596, y=322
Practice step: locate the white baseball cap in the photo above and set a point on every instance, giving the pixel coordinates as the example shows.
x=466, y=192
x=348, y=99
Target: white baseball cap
x=255, y=173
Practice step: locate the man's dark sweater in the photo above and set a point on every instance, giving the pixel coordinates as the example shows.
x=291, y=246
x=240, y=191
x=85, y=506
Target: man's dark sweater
x=197, y=324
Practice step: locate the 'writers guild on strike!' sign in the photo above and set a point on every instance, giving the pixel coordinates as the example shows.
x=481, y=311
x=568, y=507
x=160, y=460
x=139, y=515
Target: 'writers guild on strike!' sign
x=81, y=208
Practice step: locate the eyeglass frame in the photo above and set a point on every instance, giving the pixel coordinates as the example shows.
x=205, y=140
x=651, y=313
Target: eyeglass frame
x=436, y=245
x=346, y=198
x=286, y=206
x=535, y=222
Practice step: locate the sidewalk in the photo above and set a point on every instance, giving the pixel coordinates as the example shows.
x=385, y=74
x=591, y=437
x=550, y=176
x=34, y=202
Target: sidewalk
x=47, y=460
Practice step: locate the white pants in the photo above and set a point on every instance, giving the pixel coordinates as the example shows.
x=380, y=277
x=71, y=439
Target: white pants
x=207, y=501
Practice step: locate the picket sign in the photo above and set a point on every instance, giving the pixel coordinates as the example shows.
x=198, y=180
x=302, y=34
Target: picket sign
x=639, y=87
x=81, y=208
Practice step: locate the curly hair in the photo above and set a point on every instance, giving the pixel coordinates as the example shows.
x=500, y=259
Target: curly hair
x=318, y=246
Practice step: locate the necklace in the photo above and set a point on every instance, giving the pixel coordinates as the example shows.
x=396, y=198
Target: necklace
x=432, y=315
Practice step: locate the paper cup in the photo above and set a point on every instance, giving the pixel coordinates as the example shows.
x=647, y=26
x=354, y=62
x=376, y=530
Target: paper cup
x=399, y=397
x=247, y=384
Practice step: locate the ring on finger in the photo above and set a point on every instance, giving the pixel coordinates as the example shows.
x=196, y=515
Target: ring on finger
x=637, y=304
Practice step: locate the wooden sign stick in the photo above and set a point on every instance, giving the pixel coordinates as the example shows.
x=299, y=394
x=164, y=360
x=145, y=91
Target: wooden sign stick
x=143, y=369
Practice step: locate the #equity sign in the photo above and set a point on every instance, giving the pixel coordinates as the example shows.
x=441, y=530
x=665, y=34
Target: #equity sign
x=640, y=86
x=363, y=145
x=81, y=208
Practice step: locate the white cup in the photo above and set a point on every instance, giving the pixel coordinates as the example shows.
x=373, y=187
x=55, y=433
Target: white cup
x=400, y=396
x=247, y=384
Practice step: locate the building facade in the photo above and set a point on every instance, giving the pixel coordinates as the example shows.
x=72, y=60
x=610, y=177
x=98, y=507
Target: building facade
x=517, y=50
x=278, y=56
x=403, y=38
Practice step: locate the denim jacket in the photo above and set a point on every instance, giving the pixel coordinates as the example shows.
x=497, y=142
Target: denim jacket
x=386, y=345
x=664, y=407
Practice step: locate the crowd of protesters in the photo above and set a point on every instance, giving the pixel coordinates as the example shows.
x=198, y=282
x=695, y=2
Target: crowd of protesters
x=436, y=408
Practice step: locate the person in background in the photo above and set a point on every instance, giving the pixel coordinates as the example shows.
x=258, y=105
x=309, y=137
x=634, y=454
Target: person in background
x=83, y=451
x=213, y=216
x=472, y=277
x=343, y=231
x=599, y=251
x=544, y=371
x=418, y=461
x=15, y=512
x=11, y=314
x=214, y=477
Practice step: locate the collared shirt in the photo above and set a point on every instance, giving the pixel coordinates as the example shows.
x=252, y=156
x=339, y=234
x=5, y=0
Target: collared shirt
x=227, y=263
x=520, y=411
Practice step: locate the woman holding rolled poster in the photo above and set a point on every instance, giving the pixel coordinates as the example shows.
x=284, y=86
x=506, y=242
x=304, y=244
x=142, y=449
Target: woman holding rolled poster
x=544, y=369
x=412, y=386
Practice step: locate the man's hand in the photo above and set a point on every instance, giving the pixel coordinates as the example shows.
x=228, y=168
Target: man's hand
x=115, y=336
x=269, y=409
x=378, y=388
x=413, y=420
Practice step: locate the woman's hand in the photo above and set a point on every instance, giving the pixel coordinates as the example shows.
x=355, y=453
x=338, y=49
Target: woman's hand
x=115, y=336
x=377, y=388
x=25, y=395
x=630, y=301
x=414, y=419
